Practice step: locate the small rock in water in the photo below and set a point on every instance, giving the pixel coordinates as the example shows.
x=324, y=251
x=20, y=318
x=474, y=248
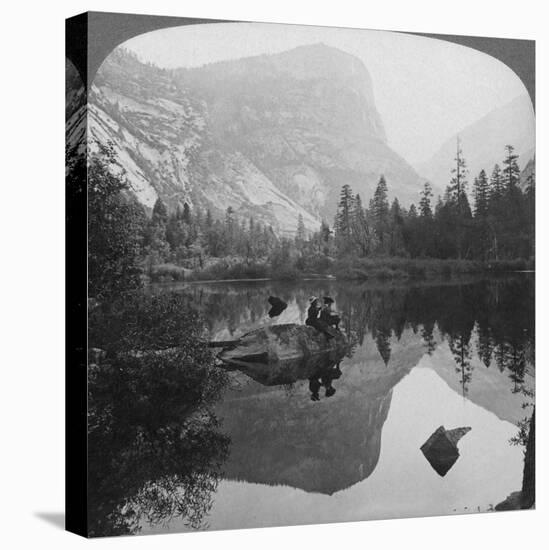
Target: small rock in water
x=441, y=448
x=278, y=306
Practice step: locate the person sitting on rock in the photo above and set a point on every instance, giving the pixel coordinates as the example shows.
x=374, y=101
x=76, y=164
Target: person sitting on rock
x=327, y=315
x=314, y=321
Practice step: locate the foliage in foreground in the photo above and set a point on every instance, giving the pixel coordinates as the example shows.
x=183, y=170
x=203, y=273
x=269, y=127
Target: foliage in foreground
x=155, y=449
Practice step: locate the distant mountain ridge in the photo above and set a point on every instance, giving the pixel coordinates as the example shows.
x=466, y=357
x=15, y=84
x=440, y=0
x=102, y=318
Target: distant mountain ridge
x=483, y=143
x=273, y=136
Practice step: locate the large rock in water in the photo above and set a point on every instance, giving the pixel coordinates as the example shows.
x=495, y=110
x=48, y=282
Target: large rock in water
x=269, y=345
x=441, y=448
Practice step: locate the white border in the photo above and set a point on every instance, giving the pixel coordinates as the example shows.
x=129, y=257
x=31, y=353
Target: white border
x=32, y=305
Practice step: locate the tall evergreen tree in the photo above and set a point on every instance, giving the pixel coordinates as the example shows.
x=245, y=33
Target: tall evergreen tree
x=361, y=232
x=497, y=186
x=482, y=224
x=159, y=212
x=379, y=207
x=343, y=222
x=460, y=209
x=482, y=195
x=396, y=226
x=511, y=170
x=458, y=185
x=301, y=234
x=425, y=209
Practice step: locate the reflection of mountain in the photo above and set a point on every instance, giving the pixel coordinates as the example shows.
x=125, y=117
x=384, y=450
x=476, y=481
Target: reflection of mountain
x=489, y=387
x=279, y=436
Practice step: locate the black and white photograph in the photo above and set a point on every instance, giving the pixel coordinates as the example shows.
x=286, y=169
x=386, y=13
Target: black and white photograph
x=310, y=276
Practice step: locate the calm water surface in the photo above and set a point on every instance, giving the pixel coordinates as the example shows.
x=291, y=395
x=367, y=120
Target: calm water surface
x=424, y=356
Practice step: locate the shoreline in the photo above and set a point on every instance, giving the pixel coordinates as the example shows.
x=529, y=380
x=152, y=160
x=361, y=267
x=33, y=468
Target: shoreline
x=457, y=278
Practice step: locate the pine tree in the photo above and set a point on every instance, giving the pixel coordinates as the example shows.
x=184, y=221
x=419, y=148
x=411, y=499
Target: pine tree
x=425, y=209
x=482, y=195
x=230, y=230
x=186, y=216
x=482, y=224
x=361, y=231
x=396, y=223
x=301, y=234
x=458, y=184
x=160, y=212
x=497, y=186
x=460, y=211
x=325, y=237
x=379, y=207
x=511, y=171
x=343, y=222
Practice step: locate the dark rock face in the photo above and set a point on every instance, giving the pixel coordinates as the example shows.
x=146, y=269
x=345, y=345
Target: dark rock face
x=273, y=136
x=441, y=448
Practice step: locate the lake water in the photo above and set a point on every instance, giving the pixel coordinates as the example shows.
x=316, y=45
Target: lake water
x=424, y=356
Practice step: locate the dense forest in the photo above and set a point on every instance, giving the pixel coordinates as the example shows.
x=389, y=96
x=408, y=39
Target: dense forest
x=152, y=471
x=488, y=224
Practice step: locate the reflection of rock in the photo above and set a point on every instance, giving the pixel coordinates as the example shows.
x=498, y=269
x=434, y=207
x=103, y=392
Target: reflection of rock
x=292, y=370
x=279, y=436
x=441, y=448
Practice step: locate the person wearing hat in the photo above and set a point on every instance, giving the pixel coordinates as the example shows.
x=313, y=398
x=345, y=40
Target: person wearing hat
x=312, y=311
x=313, y=319
x=327, y=315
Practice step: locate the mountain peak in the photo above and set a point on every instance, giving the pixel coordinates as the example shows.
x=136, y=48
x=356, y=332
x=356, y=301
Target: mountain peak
x=273, y=136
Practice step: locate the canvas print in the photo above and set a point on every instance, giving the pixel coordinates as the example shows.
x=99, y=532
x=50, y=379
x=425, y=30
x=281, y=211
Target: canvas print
x=310, y=273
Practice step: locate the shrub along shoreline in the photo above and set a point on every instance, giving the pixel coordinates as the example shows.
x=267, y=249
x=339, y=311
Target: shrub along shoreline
x=357, y=269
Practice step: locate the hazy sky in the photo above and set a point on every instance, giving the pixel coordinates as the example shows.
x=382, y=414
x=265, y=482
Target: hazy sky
x=425, y=89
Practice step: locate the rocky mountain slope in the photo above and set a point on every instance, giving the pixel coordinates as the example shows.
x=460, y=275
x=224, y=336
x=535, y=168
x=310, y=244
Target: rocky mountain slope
x=273, y=136
x=528, y=173
x=483, y=143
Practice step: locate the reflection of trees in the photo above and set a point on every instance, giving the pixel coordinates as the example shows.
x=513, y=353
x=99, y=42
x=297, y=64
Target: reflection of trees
x=461, y=350
x=485, y=346
x=155, y=449
x=427, y=334
x=383, y=345
x=492, y=318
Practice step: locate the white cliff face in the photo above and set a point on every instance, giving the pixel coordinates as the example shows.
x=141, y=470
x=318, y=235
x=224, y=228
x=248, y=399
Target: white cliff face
x=271, y=136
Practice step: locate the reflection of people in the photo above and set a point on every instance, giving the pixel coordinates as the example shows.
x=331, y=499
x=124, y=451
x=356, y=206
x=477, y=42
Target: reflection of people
x=327, y=315
x=325, y=380
x=314, y=387
x=314, y=321
x=278, y=306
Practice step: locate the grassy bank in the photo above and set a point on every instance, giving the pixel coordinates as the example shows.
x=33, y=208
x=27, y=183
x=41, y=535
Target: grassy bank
x=345, y=269
x=403, y=268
